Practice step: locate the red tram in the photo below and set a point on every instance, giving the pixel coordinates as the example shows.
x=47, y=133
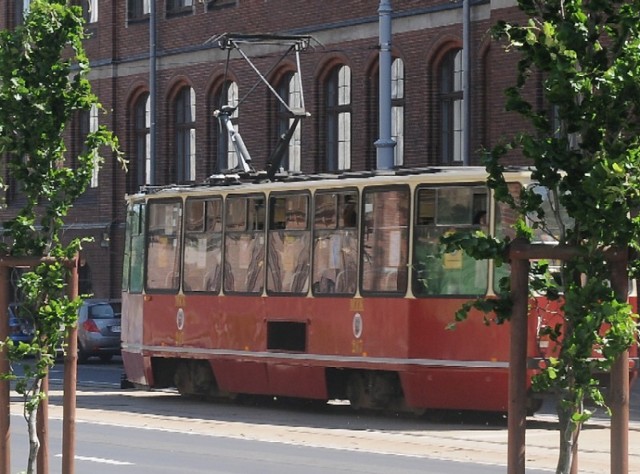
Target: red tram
x=320, y=287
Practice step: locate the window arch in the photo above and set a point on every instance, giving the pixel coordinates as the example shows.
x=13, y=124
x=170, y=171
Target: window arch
x=185, y=134
x=289, y=89
x=397, y=110
x=142, y=139
x=451, y=108
x=338, y=118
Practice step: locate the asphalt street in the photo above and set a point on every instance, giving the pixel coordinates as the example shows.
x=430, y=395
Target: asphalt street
x=159, y=428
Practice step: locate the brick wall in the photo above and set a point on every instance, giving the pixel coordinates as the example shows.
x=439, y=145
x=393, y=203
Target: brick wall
x=347, y=33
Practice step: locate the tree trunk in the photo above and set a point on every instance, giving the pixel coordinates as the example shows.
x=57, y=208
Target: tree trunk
x=569, y=432
x=31, y=415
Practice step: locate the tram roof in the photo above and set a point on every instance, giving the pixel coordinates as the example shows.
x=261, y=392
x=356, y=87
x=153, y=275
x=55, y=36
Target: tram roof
x=256, y=182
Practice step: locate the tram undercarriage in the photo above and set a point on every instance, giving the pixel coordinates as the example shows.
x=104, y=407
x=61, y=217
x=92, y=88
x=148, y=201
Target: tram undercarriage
x=365, y=389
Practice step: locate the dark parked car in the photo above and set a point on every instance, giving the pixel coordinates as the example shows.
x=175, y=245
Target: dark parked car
x=99, y=329
x=21, y=324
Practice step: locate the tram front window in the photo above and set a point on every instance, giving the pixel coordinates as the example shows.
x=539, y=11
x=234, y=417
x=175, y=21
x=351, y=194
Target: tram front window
x=163, y=245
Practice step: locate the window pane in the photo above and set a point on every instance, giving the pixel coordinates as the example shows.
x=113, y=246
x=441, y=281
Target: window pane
x=289, y=244
x=93, y=127
x=244, y=245
x=458, y=120
x=386, y=233
x=458, y=72
x=232, y=100
x=185, y=135
x=295, y=102
x=451, y=108
x=335, y=247
x=397, y=133
x=203, y=245
x=440, y=211
x=397, y=79
x=344, y=140
x=344, y=85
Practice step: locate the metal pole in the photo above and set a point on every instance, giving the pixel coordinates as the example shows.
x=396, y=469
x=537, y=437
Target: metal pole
x=619, y=396
x=5, y=400
x=42, y=428
x=70, y=382
x=385, y=144
x=466, y=82
x=517, y=418
x=151, y=179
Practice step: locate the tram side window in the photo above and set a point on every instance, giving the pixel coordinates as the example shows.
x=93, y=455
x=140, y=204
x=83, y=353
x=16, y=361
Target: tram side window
x=163, y=245
x=134, y=250
x=440, y=211
x=244, y=244
x=203, y=245
x=289, y=244
x=335, y=242
x=385, y=240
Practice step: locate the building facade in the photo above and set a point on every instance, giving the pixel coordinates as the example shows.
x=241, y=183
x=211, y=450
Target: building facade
x=173, y=137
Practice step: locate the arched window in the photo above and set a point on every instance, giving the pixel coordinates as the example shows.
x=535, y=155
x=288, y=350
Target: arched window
x=226, y=155
x=185, y=130
x=338, y=119
x=451, y=108
x=397, y=110
x=142, y=137
x=290, y=91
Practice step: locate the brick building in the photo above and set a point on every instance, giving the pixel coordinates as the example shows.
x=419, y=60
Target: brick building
x=339, y=73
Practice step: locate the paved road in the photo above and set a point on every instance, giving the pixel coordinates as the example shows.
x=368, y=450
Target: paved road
x=104, y=448
x=453, y=438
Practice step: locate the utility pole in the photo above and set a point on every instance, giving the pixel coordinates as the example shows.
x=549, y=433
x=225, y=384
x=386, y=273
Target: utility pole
x=466, y=82
x=151, y=179
x=385, y=144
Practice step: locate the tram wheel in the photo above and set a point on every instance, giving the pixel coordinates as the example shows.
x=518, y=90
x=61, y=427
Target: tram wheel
x=357, y=391
x=183, y=380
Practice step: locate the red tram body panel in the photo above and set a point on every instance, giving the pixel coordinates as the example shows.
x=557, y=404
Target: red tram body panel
x=406, y=336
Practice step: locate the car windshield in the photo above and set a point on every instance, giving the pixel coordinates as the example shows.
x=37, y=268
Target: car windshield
x=104, y=311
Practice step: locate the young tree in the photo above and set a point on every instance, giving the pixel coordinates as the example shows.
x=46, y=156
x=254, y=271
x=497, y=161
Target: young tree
x=584, y=145
x=43, y=83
